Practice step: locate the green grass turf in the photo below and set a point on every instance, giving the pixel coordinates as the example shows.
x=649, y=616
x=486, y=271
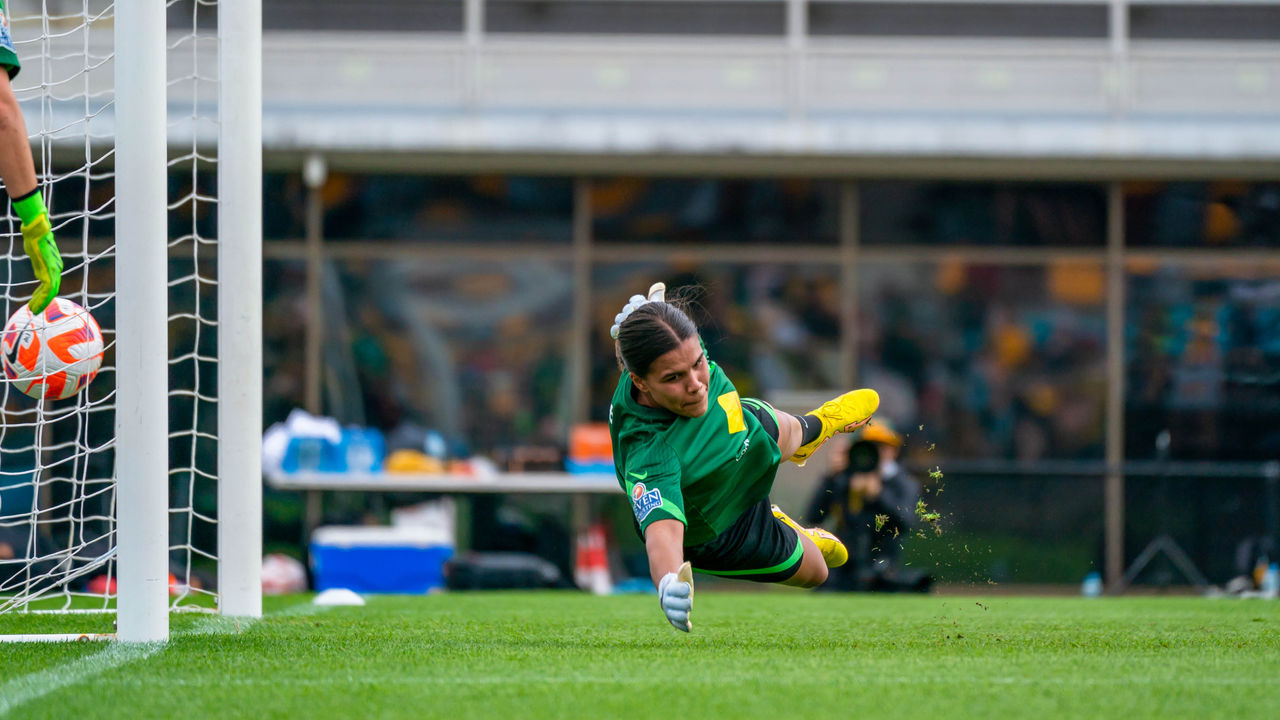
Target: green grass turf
x=770, y=654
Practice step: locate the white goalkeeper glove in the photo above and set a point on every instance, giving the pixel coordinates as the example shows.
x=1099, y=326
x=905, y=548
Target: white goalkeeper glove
x=657, y=293
x=675, y=592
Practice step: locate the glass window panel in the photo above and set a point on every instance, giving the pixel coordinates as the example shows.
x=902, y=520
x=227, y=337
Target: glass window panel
x=714, y=211
x=474, y=349
x=484, y=208
x=771, y=327
x=967, y=20
x=1204, y=21
x=1195, y=214
x=635, y=17
x=982, y=213
x=284, y=206
x=284, y=323
x=1203, y=355
x=367, y=15
x=993, y=361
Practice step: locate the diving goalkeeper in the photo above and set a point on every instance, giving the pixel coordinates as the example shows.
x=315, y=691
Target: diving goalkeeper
x=698, y=461
x=18, y=172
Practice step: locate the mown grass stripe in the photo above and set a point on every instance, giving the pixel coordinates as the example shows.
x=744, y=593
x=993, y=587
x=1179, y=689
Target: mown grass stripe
x=22, y=689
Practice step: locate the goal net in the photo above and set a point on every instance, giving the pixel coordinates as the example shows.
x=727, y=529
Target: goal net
x=137, y=216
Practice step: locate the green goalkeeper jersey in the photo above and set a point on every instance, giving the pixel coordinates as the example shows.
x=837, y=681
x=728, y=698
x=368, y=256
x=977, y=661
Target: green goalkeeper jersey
x=704, y=471
x=8, y=58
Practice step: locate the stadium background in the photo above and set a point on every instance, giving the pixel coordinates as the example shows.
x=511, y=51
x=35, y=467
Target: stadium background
x=1044, y=231
x=983, y=188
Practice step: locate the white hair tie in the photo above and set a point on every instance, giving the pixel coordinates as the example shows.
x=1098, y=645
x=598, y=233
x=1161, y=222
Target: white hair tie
x=657, y=293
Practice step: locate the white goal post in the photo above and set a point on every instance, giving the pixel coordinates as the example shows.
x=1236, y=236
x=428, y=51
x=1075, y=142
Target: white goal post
x=178, y=104
x=240, y=308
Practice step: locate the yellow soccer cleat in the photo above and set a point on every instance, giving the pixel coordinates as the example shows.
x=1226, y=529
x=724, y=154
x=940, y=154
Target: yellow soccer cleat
x=848, y=412
x=833, y=551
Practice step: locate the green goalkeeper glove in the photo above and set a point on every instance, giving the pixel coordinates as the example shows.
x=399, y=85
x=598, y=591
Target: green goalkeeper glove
x=37, y=240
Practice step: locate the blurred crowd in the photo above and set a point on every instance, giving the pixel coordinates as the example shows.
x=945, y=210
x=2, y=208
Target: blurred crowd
x=1204, y=352
x=992, y=360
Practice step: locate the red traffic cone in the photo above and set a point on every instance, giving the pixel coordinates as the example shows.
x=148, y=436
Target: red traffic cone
x=591, y=561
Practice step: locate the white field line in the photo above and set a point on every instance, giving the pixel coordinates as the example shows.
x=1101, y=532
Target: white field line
x=23, y=689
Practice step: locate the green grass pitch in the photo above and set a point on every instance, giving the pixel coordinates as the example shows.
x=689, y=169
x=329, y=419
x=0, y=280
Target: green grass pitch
x=773, y=654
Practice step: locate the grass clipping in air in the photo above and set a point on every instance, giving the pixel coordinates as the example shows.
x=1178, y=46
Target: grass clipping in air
x=928, y=517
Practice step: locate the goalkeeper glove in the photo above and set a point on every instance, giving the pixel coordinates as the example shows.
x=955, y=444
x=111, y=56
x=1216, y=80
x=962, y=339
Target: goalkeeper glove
x=657, y=293
x=675, y=592
x=37, y=240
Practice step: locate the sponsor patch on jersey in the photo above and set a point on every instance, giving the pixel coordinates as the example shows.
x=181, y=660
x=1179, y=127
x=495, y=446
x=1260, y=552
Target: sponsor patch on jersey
x=732, y=406
x=644, y=501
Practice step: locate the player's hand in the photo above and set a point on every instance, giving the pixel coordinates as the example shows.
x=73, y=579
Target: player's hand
x=37, y=240
x=675, y=592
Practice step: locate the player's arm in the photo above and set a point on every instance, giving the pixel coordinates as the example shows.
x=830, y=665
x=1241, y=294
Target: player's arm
x=16, y=166
x=17, y=170
x=664, y=542
x=652, y=480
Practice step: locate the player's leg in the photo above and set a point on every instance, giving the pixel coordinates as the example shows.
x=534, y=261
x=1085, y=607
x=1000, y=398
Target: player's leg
x=848, y=412
x=833, y=551
x=799, y=436
x=789, y=434
x=813, y=568
x=756, y=547
x=781, y=426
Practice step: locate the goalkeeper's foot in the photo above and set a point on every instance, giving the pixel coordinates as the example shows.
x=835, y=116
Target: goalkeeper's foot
x=833, y=551
x=848, y=412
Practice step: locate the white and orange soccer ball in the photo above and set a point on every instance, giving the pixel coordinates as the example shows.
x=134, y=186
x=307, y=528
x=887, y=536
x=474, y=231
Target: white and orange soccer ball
x=53, y=355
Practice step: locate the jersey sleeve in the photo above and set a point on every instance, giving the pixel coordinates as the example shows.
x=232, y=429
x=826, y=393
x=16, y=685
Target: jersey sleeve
x=652, y=478
x=8, y=56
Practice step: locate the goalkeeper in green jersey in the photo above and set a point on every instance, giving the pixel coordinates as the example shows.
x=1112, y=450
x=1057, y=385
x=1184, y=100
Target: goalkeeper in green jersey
x=18, y=172
x=698, y=461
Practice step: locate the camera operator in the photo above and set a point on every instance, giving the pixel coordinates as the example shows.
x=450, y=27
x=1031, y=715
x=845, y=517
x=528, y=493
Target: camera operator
x=873, y=484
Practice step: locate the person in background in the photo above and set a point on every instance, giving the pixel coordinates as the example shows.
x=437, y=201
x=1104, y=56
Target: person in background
x=17, y=170
x=871, y=505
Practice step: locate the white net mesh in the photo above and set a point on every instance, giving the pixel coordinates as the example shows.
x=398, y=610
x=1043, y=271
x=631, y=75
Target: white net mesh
x=193, y=133
x=57, y=494
x=57, y=536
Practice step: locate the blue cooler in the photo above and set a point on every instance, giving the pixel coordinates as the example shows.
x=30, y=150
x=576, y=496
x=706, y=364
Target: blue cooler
x=375, y=559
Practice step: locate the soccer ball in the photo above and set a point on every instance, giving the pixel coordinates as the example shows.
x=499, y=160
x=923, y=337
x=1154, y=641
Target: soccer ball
x=54, y=354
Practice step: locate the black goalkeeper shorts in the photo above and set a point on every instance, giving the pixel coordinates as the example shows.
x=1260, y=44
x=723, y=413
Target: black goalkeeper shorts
x=757, y=546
